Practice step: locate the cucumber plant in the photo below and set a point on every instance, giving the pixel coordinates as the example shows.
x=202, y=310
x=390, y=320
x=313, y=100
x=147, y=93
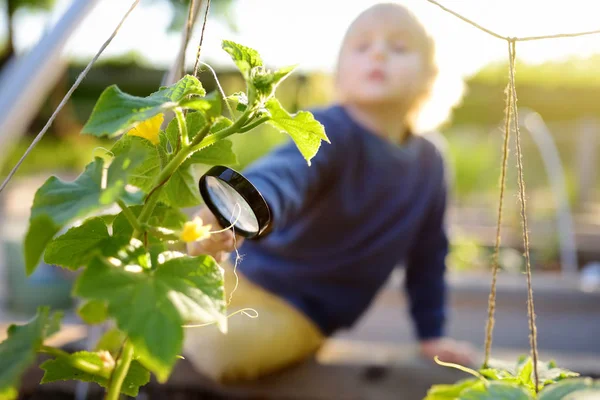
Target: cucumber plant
x=131, y=269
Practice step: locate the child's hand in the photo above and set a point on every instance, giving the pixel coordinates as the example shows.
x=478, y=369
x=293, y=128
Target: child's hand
x=448, y=350
x=218, y=245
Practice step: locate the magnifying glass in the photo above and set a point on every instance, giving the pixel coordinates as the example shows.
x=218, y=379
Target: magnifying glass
x=235, y=201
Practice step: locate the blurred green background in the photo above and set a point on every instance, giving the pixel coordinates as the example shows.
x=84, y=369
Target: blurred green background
x=565, y=93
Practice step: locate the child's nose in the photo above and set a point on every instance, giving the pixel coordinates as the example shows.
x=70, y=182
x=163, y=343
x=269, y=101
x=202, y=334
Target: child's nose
x=378, y=52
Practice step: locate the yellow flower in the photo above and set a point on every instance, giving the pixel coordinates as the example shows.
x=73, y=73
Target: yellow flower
x=194, y=230
x=149, y=129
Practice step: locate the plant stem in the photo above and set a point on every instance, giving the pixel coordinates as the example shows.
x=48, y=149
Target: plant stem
x=182, y=127
x=201, y=140
x=254, y=124
x=114, y=390
x=237, y=127
x=76, y=363
x=130, y=216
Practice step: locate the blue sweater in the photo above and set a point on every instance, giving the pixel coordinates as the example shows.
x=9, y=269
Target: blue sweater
x=341, y=225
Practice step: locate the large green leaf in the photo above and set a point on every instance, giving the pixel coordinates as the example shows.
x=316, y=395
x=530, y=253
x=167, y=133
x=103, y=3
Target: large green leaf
x=152, y=161
x=19, y=350
x=151, y=306
x=244, y=57
x=58, y=202
x=62, y=369
x=302, y=127
x=78, y=246
x=181, y=190
x=495, y=391
x=560, y=390
x=116, y=111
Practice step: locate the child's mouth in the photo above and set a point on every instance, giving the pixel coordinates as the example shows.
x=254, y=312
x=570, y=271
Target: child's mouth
x=376, y=75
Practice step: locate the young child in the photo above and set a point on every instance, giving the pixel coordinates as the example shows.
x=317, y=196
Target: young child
x=373, y=199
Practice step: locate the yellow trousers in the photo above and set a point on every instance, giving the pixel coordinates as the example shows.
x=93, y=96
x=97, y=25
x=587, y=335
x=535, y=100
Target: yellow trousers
x=279, y=337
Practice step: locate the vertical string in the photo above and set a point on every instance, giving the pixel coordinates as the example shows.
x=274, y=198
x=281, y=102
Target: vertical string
x=201, y=38
x=530, y=308
x=188, y=29
x=496, y=257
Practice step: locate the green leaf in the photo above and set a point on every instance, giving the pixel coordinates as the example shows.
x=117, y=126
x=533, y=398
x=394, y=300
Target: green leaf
x=93, y=312
x=151, y=306
x=220, y=153
x=525, y=373
x=244, y=57
x=57, y=202
x=302, y=127
x=241, y=100
x=41, y=230
x=181, y=190
x=19, y=350
x=211, y=105
x=560, y=390
x=549, y=373
x=451, y=392
x=144, y=173
x=494, y=391
x=76, y=248
x=266, y=82
x=116, y=111
x=62, y=369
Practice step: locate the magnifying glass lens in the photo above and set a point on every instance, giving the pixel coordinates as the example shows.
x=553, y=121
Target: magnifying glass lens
x=231, y=205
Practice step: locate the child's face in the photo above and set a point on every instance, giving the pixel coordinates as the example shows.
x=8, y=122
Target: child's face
x=381, y=60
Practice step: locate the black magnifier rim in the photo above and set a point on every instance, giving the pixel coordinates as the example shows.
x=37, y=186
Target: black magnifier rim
x=249, y=193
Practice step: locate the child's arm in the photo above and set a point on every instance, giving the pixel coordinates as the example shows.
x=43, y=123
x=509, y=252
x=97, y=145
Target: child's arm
x=288, y=183
x=425, y=282
x=426, y=288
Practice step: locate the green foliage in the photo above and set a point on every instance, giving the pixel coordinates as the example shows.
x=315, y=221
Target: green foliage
x=244, y=57
x=57, y=202
x=78, y=246
x=62, y=369
x=302, y=127
x=19, y=350
x=570, y=389
x=131, y=270
x=511, y=381
x=115, y=111
x=151, y=306
x=494, y=391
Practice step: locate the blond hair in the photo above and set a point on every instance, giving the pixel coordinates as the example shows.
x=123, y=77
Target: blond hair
x=441, y=91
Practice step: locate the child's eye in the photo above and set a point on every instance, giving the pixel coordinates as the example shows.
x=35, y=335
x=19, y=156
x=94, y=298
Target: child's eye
x=398, y=47
x=362, y=47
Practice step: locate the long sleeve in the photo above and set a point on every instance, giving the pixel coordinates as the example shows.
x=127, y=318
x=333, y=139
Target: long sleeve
x=425, y=282
x=288, y=183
